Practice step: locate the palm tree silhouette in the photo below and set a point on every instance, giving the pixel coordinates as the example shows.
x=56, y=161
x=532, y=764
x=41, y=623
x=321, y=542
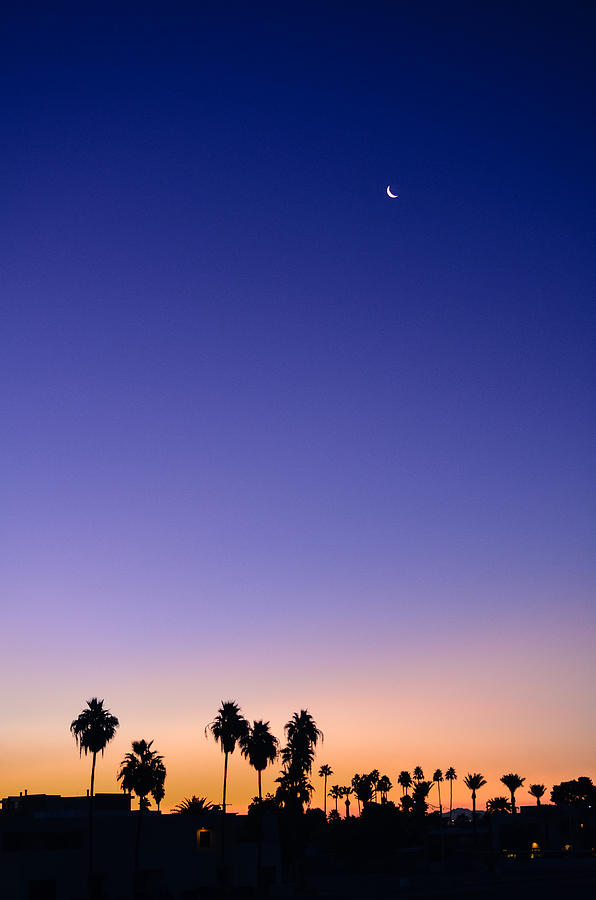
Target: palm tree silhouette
x=260, y=747
x=537, y=791
x=418, y=774
x=324, y=772
x=498, y=805
x=419, y=795
x=384, y=786
x=405, y=781
x=142, y=772
x=512, y=782
x=227, y=728
x=437, y=779
x=345, y=792
x=194, y=806
x=297, y=757
x=335, y=793
x=374, y=782
x=362, y=786
x=93, y=729
x=474, y=782
x=450, y=776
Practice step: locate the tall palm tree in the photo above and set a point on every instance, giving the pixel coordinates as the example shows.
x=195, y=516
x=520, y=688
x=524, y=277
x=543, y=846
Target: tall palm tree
x=512, y=782
x=324, y=772
x=227, y=728
x=92, y=730
x=336, y=794
x=142, y=772
x=194, y=806
x=537, y=791
x=437, y=779
x=297, y=756
x=450, y=776
x=498, y=805
x=260, y=747
x=384, y=786
x=302, y=737
x=474, y=781
x=374, y=781
x=418, y=774
x=404, y=779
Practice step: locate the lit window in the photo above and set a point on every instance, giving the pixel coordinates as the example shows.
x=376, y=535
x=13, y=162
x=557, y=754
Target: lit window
x=203, y=839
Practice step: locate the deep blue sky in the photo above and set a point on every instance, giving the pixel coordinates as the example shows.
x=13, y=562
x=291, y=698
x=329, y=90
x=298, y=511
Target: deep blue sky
x=244, y=391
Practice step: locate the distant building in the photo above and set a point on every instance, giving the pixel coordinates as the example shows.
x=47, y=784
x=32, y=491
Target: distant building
x=44, y=849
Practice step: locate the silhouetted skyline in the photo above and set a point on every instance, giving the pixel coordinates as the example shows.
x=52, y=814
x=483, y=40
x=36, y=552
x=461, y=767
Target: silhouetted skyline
x=272, y=435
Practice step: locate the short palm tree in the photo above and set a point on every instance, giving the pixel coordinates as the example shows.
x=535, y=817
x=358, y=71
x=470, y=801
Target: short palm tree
x=346, y=790
x=194, y=806
x=336, y=794
x=324, y=772
x=512, y=782
x=537, y=791
x=92, y=730
x=450, y=776
x=437, y=779
x=227, y=728
x=498, y=805
x=404, y=779
x=260, y=747
x=419, y=794
x=142, y=772
x=418, y=773
x=474, y=781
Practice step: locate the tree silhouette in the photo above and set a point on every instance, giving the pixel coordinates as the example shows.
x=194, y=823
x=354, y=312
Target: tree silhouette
x=450, y=776
x=498, y=805
x=346, y=790
x=579, y=792
x=227, y=728
x=374, y=781
x=418, y=774
x=512, y=782
x=93, y=729
x=363, y=789
x=437, y=779
x=405, y=781
x=297, y=756
x=537, y=791
x=142, y=772
x=384, y=786
x=419, y=795
x=260, y=747
x=194, y=806
x=474, y=782
x=335, y=793
x=325, y=772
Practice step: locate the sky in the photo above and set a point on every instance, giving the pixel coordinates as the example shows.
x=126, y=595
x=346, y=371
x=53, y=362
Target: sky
x=270, y=435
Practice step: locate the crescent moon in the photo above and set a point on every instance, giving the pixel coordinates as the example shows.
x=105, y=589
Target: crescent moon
x=389, y=194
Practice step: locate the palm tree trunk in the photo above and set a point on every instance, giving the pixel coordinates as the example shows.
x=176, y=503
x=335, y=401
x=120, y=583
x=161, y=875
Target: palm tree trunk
x=474, y=813
x=440, y=804
x=223, y=821
x=136, y=891
x=537, y=801
x=336, y=799
x=260, y=792
x=513, y=802
x=451, y=799
x=223, y=805
x=91, y=795
x=325, y=799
